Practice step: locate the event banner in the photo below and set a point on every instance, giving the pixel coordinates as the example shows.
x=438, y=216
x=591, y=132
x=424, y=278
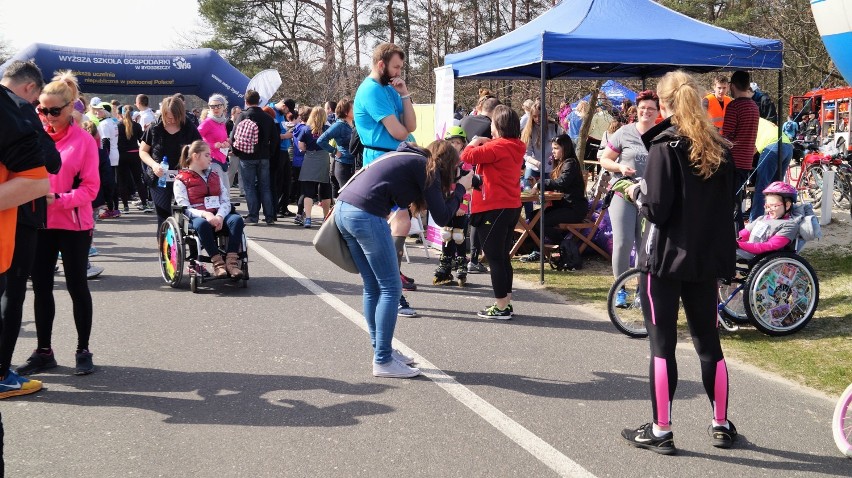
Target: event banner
x=198, y=72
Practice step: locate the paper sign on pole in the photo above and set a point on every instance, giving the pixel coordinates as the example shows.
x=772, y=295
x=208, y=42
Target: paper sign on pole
x=444, y=95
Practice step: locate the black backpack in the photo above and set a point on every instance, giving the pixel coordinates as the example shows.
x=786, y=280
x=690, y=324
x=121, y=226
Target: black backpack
x=356, y=148
x=569, y=256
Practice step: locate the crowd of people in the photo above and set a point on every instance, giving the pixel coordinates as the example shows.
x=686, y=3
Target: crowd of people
x=84, y=159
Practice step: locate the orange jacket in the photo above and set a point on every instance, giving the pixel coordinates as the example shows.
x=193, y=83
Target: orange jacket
x=716, y=112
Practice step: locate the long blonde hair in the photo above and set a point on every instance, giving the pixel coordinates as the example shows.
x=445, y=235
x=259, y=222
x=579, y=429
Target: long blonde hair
x=64, y=85
x=528, y=134
x=317, y=119
x=678, y=92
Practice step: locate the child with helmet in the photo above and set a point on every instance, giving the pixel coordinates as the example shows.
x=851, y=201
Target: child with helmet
x=454, y=235
x=776, y=229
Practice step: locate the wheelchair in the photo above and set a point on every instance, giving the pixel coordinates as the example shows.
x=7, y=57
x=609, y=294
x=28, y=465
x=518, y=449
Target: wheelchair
x=777, y=292
x=179, y=244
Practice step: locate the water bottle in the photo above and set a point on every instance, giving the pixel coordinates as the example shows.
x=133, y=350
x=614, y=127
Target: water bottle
x=165, y=165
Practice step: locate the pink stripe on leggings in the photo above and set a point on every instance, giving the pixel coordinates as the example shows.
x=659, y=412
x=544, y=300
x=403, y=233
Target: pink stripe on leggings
x=720, y=392
x=661, y=388
x=651, y=301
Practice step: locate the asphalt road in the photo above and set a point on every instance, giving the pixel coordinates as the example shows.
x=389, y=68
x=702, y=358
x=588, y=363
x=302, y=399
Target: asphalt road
x=275, y=380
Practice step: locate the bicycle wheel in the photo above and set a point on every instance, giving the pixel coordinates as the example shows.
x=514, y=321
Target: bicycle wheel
x=626, y=315
x=841, y=424
x=781, y=294
x=811, y=185
x=731, y=295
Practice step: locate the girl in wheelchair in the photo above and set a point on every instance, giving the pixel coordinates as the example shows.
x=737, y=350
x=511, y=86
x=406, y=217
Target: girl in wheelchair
x=778, y=228
x=208, y=206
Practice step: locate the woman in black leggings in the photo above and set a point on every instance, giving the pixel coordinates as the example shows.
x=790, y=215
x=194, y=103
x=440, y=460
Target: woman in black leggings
x=688, y=242
x=496, y=205
x=69, y=227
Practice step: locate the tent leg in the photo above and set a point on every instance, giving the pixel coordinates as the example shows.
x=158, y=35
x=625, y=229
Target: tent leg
x=780, y=174
x=543, y=128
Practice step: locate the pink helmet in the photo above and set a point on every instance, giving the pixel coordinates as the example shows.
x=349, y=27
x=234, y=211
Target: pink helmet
x=782, y=189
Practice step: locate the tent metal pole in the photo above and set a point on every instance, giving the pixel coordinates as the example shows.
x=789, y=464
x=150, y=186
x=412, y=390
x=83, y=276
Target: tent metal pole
x=779, y=174
x=543, y=128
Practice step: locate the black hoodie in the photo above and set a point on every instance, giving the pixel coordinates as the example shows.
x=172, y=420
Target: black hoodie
x=34, y=213
x=688, y=233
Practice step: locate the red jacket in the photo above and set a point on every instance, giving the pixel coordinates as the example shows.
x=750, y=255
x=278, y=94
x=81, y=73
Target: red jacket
x=197, y=188
x=499, y=163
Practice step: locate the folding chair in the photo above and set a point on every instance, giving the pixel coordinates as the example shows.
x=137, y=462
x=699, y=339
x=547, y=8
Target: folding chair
x=416, y=229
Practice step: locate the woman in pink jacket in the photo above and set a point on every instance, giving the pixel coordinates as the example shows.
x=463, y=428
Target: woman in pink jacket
x=69, y=226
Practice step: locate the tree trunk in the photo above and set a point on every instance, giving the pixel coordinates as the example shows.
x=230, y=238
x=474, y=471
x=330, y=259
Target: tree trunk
x=587, y=122
x=407, y=39
x=390, y=20
x=357, y=36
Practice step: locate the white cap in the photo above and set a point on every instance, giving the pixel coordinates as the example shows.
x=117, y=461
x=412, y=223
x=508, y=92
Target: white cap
x=95, y=103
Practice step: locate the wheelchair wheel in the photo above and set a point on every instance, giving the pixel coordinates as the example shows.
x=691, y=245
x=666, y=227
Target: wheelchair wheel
x=781, y=294
x=171, y=251
x=734, y=309
x=841, y=424
x=193, y=283
x=627, y=317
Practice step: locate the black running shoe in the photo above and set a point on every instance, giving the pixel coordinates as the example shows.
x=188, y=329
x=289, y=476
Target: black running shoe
x=643, y=437
x=84, y=363
x=723, y=437
x=38, y=362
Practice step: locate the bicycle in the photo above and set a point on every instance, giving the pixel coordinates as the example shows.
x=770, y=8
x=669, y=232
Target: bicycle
x=841, y=422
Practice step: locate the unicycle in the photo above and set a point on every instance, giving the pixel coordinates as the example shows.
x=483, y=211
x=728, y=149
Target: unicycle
x=841, y=424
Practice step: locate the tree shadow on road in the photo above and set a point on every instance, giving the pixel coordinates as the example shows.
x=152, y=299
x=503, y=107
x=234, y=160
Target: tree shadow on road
x=222, y=398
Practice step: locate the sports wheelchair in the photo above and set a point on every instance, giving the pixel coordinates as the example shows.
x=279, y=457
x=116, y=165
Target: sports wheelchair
x=178, y=243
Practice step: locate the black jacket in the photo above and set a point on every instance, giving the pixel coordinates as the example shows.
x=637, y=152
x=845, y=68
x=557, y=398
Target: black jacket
x=267, y=134
x=34, y=213
x=570, y=183
x=688, y=233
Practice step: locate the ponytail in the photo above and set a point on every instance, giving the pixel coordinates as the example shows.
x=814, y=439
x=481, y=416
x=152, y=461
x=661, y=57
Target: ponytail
x=64, y=84
x=188, y=150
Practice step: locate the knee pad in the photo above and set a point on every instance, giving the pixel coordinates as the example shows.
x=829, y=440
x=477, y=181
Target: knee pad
x=458, y=235
x=446, y=234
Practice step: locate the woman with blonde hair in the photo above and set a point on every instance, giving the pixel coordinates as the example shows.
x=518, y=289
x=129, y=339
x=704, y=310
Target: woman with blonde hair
x=688, y=242
x=315, y=175
x=70, y=223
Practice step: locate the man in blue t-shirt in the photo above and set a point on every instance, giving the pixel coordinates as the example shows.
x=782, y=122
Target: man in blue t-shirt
x=384, y=115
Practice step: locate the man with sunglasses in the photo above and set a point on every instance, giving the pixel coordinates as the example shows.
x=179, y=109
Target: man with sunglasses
x=22, y=82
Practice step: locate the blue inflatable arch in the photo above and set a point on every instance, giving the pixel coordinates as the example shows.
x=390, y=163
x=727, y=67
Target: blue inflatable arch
x=199, y=72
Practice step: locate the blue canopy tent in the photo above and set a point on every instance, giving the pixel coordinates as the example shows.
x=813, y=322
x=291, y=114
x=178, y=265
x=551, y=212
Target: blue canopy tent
x=200, y=72
x=589, y=39
x=615, y=91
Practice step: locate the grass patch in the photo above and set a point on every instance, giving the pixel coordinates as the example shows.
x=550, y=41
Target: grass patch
x=819, y=356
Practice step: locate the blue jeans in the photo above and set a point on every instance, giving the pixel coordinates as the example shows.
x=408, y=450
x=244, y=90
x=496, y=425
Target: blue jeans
x=767, y=172
x=256, y=182
x=370, y=242
x=233, y=224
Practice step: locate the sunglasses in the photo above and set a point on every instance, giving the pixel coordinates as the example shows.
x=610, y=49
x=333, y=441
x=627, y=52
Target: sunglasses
x=55, y=111
x=215, y=107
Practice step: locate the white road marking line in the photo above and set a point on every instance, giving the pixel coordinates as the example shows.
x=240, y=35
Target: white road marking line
x=540, y=449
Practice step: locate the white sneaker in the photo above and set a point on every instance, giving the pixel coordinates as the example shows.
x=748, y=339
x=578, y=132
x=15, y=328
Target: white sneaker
x=93, y=271
x=397, y=355
x=394, y=369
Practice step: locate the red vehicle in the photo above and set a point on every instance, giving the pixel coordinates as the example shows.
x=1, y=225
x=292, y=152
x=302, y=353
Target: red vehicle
x=833, y=107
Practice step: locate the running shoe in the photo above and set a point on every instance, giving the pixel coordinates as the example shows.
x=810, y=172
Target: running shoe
x=405, y=309
x=14, y=385
x=494, y=312
x=148, y=208
x=93, y=251
x=405, y=278
x=84, y=364
x=475, y=268
x=307, y=223
x=533, y=256
x=93, y=271
x=299, y=220
x=407, y=283
x=643, y=437
x=723, y=437
x=38, y=362
x=621, y=298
